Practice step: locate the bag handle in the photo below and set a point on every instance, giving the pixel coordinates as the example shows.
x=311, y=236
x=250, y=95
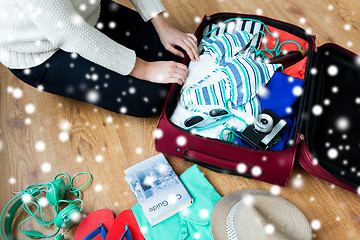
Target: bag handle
x=216, y=164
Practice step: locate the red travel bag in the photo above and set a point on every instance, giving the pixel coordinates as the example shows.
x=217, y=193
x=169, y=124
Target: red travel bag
x=326, y=145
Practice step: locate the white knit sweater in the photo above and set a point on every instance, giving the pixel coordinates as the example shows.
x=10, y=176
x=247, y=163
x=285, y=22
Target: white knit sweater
x=31, y=31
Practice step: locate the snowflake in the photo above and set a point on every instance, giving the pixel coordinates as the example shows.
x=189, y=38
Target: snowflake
x=357, y=100
x=43, y=202
x=27, y=121
x=98, y=188
x=342, y=124
x=248, y=200
x=10, y=89
x=40, y=87
x=275, y=190
x=63, y=136
x=138, y=150
x=132, y=90
x=332, y=70
x=297, y=91
x=197, y=19
x=99, y=158
x=76, y=19
x=330, y=7
x=347, y=27
x=256, y=171
x=313, y=71
x=181, y=141
x=40, y=146
x=82, y=7
x=317, y=110
x=172, y=198
x=112, y=25
x=332, y=153
x=59, y=24
x=64, y=125
x=93, y=96
x=197, y=235
x=269, y=229
x=94, y=77
x=75, y=217
x=17, y=93
x=241, y=168
x=297, y=182
x=149, y=180
x=259, y=11
x=204, y=213
x=12, y=180
x=158, y=133
x=26, y=198
x=315, y=224
x=144, y=229
x=327, y=102
x=109, y=119
x=302, y=20
x=46, y=167
x=79, y=159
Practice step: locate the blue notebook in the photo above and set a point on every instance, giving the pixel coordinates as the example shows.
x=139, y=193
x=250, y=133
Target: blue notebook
x=157, y=188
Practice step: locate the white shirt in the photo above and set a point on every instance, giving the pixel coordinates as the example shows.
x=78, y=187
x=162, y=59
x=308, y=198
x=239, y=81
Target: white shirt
x=31, y=31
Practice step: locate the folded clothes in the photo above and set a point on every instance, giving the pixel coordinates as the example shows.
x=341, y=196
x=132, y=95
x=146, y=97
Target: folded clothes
x=191, y=223
x=234, y=84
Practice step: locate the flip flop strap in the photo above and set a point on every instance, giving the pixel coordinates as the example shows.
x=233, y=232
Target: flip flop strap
x=100, y=230
x=126, y=234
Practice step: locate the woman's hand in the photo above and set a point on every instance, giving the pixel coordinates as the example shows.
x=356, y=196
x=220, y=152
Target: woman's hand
x=160, y=72
x=171, y=37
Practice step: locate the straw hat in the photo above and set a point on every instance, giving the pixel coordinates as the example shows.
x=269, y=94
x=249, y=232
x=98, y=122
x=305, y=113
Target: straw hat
x=257, y=214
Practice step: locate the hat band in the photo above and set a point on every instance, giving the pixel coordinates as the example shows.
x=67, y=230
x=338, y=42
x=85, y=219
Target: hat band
x=230, y=230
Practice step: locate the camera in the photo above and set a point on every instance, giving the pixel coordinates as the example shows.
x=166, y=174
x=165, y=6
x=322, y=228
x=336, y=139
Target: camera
x=265, y=128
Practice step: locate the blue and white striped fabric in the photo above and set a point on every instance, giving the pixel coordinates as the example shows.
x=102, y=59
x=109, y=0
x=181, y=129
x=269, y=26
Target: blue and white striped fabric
x=238, y=25
x=237, y=79
x=226, y=46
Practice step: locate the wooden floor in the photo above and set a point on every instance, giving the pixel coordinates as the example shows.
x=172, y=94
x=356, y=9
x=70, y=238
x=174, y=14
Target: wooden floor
x=105, y=143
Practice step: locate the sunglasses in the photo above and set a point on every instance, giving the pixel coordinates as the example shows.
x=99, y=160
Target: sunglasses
x=219, y=116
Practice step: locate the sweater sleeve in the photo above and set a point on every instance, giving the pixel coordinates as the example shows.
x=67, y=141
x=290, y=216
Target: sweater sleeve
x=148, y=8
x=64, y=28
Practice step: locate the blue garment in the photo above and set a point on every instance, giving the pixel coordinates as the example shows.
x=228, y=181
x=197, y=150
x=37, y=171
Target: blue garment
x=280, y=94
x=191, y=223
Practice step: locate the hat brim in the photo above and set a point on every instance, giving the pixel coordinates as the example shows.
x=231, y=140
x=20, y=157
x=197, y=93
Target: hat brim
x=286, y=212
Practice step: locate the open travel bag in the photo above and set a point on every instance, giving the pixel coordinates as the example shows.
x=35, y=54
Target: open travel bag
x=322, y=120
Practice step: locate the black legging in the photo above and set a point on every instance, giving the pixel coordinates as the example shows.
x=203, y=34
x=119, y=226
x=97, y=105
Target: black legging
x=83, y=80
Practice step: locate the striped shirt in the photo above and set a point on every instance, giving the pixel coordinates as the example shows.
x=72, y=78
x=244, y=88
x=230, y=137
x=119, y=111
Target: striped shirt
x=236, y=81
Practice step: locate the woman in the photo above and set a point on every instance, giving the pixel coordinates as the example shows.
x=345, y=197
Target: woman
x=112, y=58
